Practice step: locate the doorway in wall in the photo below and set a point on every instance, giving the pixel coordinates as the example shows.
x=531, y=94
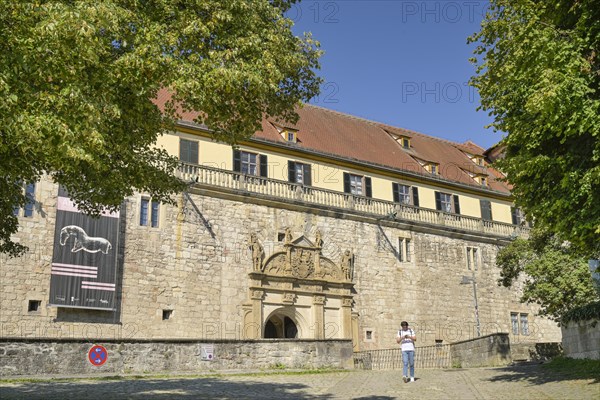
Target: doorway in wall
x=281, y=327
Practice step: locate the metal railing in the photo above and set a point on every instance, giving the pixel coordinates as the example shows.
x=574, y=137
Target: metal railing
x=291, y=191
x=437, y=356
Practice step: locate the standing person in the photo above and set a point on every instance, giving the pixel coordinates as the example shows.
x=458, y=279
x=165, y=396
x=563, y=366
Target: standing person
x=407, y=337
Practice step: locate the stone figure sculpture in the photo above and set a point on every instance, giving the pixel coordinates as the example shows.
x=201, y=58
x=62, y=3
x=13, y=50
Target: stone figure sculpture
x=318, y=239
x=257, y=252
x=288, y=236
x=346, y=265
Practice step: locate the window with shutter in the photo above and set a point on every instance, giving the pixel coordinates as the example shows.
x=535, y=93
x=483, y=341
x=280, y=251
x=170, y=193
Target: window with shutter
x=346, y=182
x=249, y=163
x=358, y=185
x=237, y=161
x=188, y=151
x=415, y=193
x=518, y=217
x=264, y=166
x=447, y=203
x=299, y=173
x=486, y=209
x=456, y=204
x=292, y=172
x=353, y=184
x=401, y=193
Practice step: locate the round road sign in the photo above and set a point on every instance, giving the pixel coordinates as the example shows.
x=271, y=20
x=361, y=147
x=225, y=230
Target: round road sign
x=97, y=355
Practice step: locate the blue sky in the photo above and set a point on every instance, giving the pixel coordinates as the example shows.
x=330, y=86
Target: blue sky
x=405, y=63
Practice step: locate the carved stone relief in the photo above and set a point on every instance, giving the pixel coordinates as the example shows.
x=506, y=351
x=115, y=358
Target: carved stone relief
x=303, y=262
x=289, y=298
x=258, y=294
x=330, y=271
x=276, y=264
x=302, y=259
x=347, y=302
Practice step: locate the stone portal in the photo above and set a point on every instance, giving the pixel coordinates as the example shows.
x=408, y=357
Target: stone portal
x=299, y=293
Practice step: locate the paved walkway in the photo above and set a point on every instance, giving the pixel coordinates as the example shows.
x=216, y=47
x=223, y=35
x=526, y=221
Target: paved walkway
x=524, y=382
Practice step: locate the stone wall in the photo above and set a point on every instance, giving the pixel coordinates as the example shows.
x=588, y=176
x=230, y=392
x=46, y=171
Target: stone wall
x=69, y=357
x=581, y=339
x=485, y=351
x=535, y=351
x=197, y=265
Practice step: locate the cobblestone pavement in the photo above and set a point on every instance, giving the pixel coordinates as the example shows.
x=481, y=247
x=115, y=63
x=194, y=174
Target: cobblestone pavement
x=525, y=382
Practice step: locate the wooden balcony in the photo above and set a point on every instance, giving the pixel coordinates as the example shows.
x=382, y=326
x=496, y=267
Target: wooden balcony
x=288, y=191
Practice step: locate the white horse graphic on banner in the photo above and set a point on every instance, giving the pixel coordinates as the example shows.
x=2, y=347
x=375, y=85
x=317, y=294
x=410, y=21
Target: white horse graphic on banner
x=83, y=241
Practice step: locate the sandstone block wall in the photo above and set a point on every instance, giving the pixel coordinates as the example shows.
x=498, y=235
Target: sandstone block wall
x=196, y=264
x=70, y=357
x=581, y=339
x=486, y=351
x=535, y=351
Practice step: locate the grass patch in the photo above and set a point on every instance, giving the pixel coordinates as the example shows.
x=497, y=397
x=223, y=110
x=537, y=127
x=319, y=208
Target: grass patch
x=582, y=369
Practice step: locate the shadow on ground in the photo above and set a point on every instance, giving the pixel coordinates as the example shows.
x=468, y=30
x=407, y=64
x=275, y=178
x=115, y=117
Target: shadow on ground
x=536, y=374
x=156, y=389
x=374, y=398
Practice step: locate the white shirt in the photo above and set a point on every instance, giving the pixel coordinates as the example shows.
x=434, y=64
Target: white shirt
x=407, y=343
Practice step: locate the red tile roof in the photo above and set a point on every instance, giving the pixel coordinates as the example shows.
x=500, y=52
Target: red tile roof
x=334, y=133
x=344, y=135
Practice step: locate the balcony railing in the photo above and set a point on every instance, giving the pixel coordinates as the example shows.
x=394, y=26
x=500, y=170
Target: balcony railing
x=283, y=190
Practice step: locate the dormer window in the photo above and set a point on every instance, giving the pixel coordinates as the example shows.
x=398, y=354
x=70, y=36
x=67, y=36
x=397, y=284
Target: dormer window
x=477, y=159
x=403, y=141
x=433, y=168
x=290, y=135
x=406, y=143
x=479, y=178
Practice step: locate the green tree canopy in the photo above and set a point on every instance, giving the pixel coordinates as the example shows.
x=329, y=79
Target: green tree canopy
x=538, y=75
x=77, y=80
x=556, y=276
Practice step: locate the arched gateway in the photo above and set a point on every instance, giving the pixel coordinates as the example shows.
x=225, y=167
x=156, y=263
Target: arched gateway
x=298, y=293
